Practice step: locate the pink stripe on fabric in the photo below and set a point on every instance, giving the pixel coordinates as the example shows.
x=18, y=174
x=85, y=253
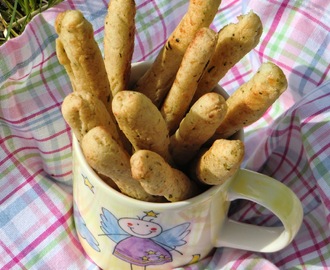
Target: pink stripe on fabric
x=24, y=119
x=294, y=170
x=144, y=55
x=161, y=19
x=239, y=76
x=144, y=3
x=317, y=245
x=287, y=67
x=273, y=27
x=290, y=130
x=313, y=248
x=26, y=181
x=140, y=46
x=318, y=98
x=9, y=253
x=230, y=5
x=100, y=30
x=12, y=154
x=33, y=67
x=241, y=260
x=45, y=139
x=105, y=3
x=308, y=15
x=323, y=149
x=43, y=61
x=61, y=221
x=71, y=4
x=315, y=114
x=300, y=253
x=325, y=74
x=31, y=116
x=297, y=254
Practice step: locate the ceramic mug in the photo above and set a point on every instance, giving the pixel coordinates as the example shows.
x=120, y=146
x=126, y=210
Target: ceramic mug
x=119, y=232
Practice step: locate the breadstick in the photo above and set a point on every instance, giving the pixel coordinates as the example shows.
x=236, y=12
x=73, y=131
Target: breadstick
x=119, y=32
x=192, y=67
x=83, y=111
x=197, y=127
x=141, y=122
x=219, y=162
x=234, y=41
x=158, y=79
x=157, y=177
x=108, y=158
x=251, y=100
x=79, y=53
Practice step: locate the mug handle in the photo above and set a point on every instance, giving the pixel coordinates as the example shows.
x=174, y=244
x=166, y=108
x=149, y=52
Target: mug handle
x=273, y=195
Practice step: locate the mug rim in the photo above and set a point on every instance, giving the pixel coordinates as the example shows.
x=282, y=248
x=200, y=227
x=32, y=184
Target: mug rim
x=129, y=200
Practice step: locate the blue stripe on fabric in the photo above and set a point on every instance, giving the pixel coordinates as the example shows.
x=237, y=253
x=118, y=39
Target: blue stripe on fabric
x=28, y=61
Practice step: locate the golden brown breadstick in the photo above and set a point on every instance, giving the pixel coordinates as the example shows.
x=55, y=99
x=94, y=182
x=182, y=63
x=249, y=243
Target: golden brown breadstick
x=157, y=177
x=251, y=100
x=83, y=111
x=141, y=122
x=159, y=78
x=108, y=158
x=119, y=32
x=219, y=162
x=197, y=127
x=234, y=41
x=192, y=67
x=79, y=53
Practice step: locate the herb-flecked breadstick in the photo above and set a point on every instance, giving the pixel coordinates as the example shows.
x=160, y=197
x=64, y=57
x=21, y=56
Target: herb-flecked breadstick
x=252, y=99
x=218, y=163
x=108, y=158
x=158, y=79
x=192, y=67
x=157, y=177
x=141, y=122
x=79, y=53
x=119, y=29
x=83, y=111
x=234, y=41
x=197, y=127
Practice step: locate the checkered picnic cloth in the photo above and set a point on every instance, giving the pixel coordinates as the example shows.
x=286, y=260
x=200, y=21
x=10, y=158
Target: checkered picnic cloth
x=290, y=143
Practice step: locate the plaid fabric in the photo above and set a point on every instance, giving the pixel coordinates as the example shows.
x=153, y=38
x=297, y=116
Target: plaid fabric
x=291, y=142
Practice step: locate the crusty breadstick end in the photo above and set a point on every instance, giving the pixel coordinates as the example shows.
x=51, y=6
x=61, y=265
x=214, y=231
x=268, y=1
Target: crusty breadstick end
x=83, y=111
x=251, y=100
x=219, y=163
x=79, y=53
x=158, y=178
x=197, y=127
x=158, y=79
x=141, y=122
x=108, y=158
x=193, y=65
x=235, y=40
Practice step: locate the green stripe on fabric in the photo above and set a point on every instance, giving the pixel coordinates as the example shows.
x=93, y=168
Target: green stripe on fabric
x=58, y=158
x=14, y=165
x=48, y=250
x=317, y=227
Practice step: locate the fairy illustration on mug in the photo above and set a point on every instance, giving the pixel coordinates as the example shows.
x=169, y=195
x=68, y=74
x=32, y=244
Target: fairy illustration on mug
x=141, y=241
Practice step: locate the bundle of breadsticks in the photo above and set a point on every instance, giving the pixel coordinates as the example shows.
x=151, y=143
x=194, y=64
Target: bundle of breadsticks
x=170, y=134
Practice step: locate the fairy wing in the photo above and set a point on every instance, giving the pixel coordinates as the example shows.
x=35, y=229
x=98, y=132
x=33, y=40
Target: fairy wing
x=173, y=237
x=110, y=227
x=82, y=229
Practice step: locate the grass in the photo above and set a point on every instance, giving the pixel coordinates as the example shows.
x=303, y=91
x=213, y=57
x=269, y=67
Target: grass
x=16, y=14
